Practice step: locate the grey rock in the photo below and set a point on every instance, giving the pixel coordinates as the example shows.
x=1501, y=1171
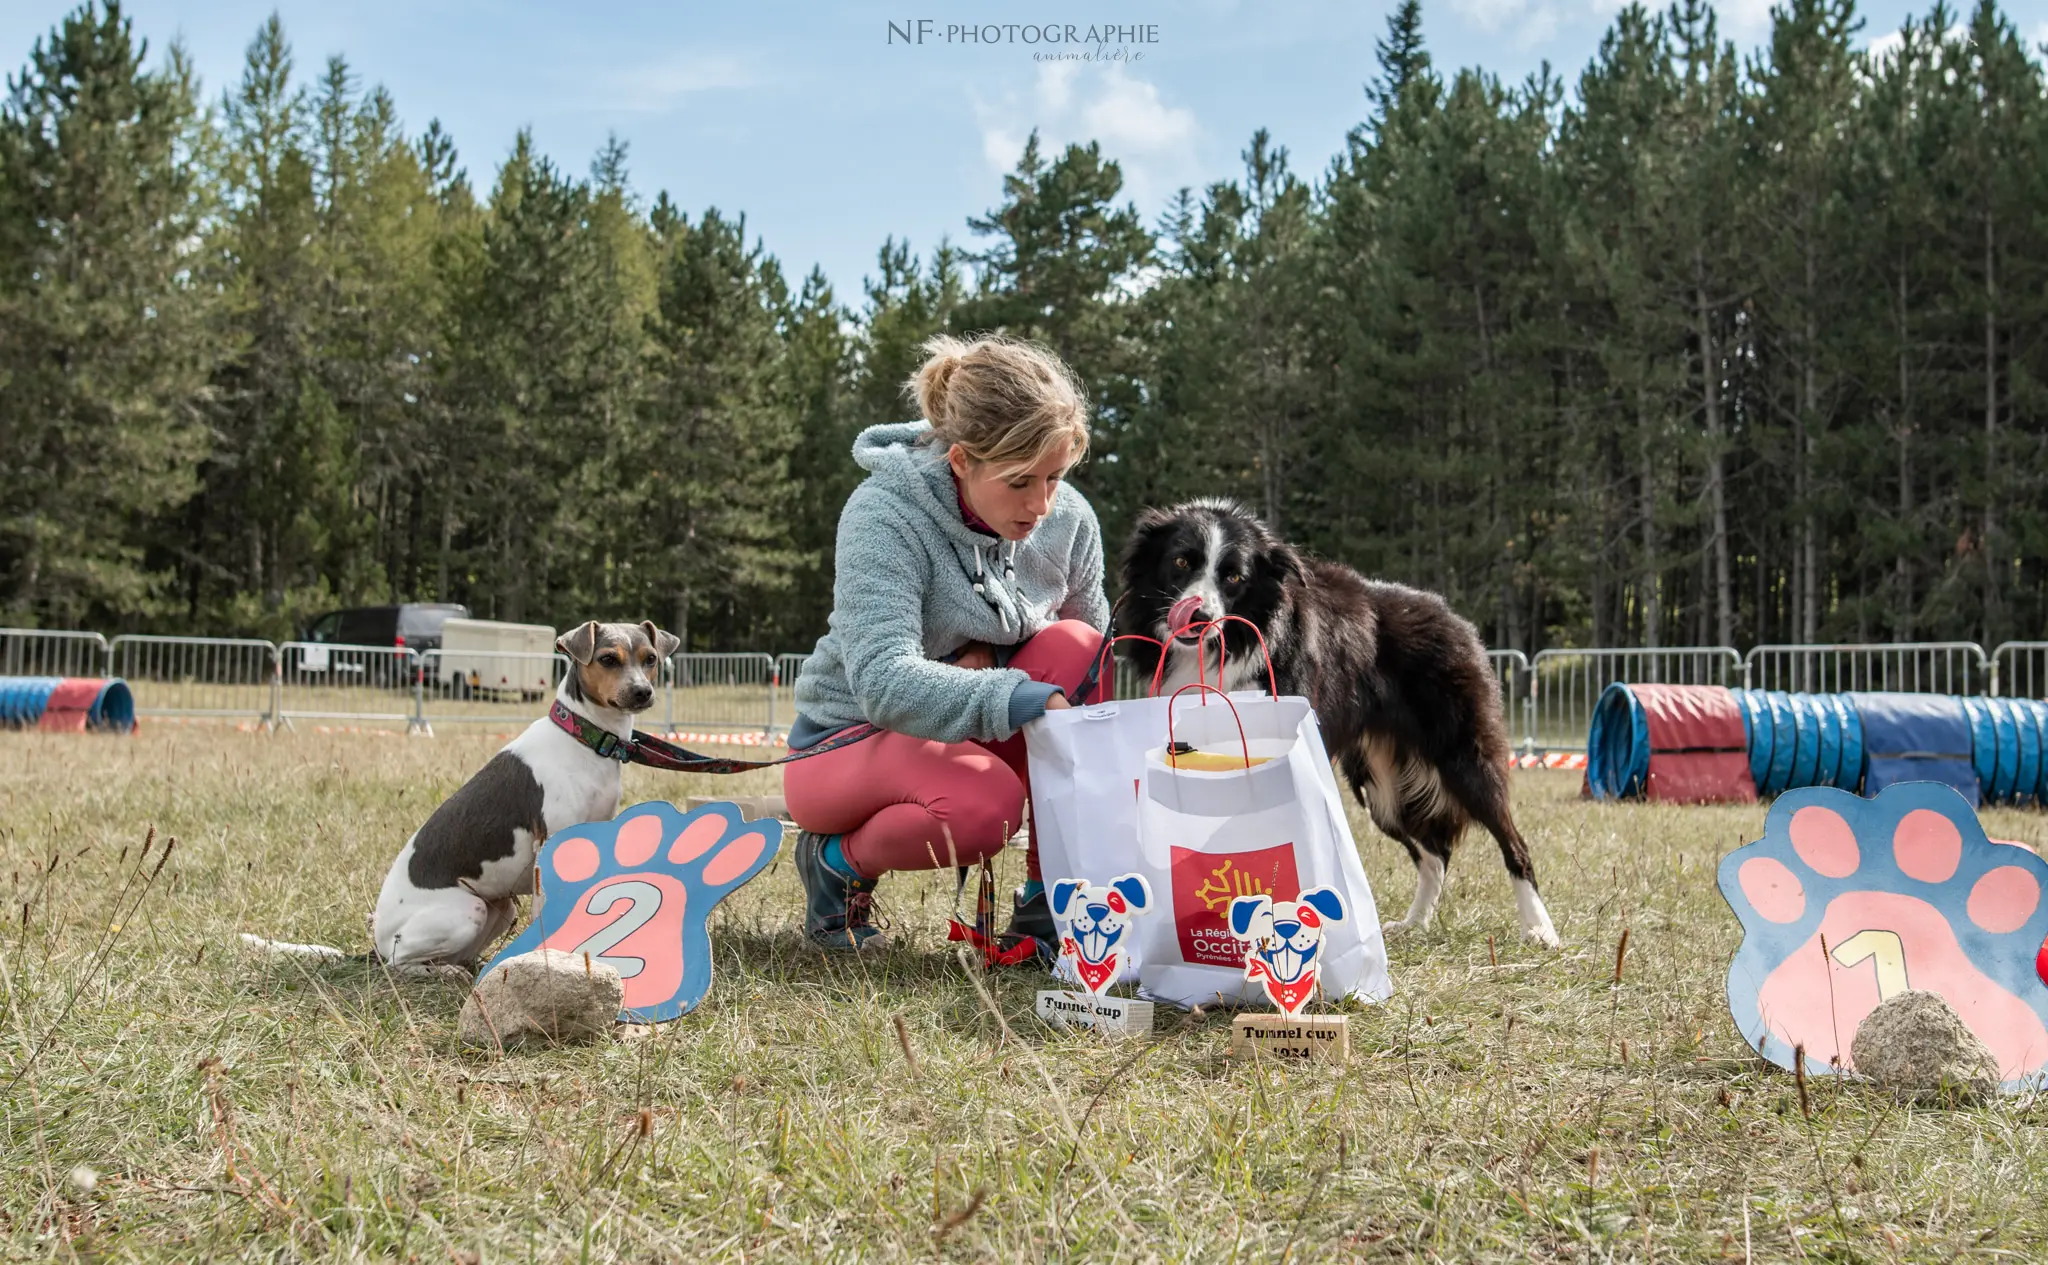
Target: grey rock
x=1918, y=1047
x=541, y=998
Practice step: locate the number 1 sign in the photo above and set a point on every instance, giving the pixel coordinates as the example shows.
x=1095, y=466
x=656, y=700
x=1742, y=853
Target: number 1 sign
x=1847, y=902
x=636, y=893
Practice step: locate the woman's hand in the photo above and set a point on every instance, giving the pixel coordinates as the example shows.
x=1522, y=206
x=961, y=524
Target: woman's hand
x=1057, y=703
x=975, y=654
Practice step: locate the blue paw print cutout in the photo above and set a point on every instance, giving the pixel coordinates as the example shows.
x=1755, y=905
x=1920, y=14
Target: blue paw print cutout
x=636, y=892
x=1847, y=901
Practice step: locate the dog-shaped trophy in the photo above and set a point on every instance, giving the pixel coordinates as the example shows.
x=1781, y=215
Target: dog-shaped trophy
x=1096, y=939
x=1284, y=954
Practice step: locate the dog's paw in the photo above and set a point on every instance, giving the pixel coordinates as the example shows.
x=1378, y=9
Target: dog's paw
x=1543, y=936
x=636, y=893
x=446, y=971
x=1846, y=902
x=1399, y=926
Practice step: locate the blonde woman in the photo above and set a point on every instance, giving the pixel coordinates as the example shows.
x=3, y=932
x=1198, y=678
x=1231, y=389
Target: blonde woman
x=968, y=602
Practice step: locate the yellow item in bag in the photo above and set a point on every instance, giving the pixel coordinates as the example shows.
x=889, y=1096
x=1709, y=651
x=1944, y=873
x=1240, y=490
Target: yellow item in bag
x=1211, y=761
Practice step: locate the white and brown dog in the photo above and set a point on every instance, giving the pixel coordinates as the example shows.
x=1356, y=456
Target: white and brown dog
x=449, y=893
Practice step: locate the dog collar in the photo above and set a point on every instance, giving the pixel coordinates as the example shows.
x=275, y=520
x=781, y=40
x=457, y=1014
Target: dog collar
x=592, y=735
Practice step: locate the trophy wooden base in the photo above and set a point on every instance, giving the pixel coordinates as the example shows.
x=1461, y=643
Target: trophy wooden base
x=1118, y=1016
x=1291, y=1036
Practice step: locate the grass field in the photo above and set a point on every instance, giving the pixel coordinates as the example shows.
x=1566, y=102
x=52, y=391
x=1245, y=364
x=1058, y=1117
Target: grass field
x=241, y=1108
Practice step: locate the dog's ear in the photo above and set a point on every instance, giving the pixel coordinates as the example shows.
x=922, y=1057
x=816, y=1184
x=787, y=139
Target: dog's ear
x=580, y=642
x=1137, y=893
x=1142, y=533
x=1063, y=895
x=1326, y=902
x=665, y=643
x=1250, y=916
x=1286, y=561
x=1151, y=518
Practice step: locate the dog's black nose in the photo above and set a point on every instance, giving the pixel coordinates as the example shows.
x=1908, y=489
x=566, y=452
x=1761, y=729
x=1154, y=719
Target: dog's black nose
x=639, y=697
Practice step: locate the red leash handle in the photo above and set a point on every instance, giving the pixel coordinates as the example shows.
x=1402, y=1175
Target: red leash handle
x=1242, y=743
x=1222, y=654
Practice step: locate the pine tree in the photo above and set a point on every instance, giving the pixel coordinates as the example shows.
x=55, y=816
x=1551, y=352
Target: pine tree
x=1803, y=90
x=715, y=475
x=1059, y=270
x=106, y=341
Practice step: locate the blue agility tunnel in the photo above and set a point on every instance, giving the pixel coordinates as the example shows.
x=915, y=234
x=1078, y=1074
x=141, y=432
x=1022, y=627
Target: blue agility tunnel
x=66, y=703
x=1798, y=740
x=2009, y=749
x=1991, y=750
x=1918, y=738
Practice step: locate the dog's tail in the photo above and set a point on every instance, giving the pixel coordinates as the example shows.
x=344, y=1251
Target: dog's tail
x=324, y=952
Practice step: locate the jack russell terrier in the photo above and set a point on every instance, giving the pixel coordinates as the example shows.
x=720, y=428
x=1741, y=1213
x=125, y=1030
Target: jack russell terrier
x=449, y=893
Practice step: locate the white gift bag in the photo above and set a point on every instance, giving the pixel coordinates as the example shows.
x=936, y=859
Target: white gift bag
x=1267, y=819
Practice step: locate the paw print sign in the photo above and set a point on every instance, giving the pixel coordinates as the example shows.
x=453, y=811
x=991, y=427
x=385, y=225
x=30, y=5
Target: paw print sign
x=637, y=892
x=1846, y=902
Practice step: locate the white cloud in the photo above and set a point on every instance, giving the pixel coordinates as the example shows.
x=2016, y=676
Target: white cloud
x=2041, y=36
x=659, y=85
x=1884, y=46
x=1076, y=102
x=1524, y=23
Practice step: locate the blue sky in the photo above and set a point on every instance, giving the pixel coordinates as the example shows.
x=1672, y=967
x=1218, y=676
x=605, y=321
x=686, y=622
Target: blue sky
x=829, y=138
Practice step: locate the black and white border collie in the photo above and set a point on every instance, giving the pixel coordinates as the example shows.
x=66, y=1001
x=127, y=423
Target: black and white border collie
x=1400, y=683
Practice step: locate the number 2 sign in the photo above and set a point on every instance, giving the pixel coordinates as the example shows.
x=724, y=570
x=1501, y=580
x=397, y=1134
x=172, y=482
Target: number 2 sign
x=637, y=892
x=1847, y=902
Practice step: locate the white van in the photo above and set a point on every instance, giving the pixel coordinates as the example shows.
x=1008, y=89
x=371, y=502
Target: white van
x=493, y=659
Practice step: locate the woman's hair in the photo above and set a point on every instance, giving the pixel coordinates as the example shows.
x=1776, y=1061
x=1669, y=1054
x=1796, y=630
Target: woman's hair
x=1006, y=402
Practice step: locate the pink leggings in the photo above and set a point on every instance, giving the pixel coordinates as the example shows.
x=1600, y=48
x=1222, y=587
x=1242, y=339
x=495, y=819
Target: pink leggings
x=889, y=795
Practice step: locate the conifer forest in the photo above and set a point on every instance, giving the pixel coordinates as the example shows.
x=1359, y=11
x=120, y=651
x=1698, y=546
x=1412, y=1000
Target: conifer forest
x=1691, y=344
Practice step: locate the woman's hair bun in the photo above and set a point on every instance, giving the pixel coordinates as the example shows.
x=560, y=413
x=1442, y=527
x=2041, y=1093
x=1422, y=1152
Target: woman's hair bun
x=934, y=378
x=1006, y=401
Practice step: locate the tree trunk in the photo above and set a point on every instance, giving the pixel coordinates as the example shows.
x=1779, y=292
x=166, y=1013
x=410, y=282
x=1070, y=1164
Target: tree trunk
x=1809, y=412
x=681, y=625
x=1902, y=624
x=1717, y=491
x=1990, y=550
x=447, y=542
x=1652, y=612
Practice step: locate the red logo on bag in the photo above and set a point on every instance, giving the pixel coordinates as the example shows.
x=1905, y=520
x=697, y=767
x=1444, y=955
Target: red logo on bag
x=1204, y=884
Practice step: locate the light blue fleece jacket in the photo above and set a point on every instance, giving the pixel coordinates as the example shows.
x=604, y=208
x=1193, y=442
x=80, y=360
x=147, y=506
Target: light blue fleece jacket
x=903, y=598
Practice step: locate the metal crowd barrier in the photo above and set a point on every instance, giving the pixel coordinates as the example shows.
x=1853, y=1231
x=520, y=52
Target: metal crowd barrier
x=223, y=677
x=1548, y=700
x=2019, y=669
x=47, y=652
x=469, y=687
x=1511, y=671
x=324, y=681
x=782, y=689
x=1565, y=684
x=1911, y=667
x=720, y=691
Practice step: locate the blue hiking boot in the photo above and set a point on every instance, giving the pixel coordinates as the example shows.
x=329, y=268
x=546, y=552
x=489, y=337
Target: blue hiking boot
x=837, y=908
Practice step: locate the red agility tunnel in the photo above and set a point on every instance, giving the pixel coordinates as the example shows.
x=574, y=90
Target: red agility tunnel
x=1681, y=744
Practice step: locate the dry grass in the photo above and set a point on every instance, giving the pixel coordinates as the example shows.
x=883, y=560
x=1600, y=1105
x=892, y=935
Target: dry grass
x=244, y=1108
